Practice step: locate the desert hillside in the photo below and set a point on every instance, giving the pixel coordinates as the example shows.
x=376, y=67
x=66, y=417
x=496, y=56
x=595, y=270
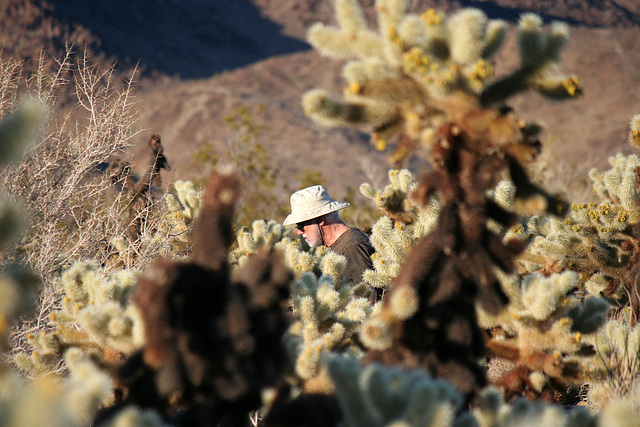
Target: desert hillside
x=199, y=61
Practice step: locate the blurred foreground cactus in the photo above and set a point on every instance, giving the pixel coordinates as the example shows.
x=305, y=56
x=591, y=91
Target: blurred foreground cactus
x=213, y=336
x=377, y=396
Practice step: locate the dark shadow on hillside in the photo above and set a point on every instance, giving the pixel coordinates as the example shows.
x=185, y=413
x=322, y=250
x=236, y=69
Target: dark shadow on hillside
x=190, y=39
x=595, y=13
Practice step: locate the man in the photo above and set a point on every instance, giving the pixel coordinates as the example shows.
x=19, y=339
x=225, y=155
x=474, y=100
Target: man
x=317, y=220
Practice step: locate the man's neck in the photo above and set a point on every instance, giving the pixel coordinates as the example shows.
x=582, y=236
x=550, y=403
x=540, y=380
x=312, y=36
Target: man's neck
x=331, y=232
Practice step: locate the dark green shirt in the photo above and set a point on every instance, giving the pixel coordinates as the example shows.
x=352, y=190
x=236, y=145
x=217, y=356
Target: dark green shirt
x=354, y=245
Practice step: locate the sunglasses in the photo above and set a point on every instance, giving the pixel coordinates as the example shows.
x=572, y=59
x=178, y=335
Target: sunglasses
x=300, y=226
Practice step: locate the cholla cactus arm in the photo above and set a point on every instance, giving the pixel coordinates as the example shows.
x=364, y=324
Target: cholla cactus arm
x=392, y=243
x=394, y=200
x=189, y=198
x=539, y=64
x=17, y=132
x=19, y=129
x=467, y=30
x=213, y=233
x=634, y=131
x=352, y=39
x=504, y=197
x=298, y=260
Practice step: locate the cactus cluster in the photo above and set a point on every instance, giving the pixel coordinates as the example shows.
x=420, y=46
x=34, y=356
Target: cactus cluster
x=182, y=207
x=545, y=332
x=598, y=240
x=94, y=316
x=261, y=233
x=393, y=200
x=330, y=312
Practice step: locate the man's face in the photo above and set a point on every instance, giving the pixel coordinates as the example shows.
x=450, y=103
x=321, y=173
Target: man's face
x=310, y=230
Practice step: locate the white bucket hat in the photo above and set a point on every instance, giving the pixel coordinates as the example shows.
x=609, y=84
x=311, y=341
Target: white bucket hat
x=311, y=202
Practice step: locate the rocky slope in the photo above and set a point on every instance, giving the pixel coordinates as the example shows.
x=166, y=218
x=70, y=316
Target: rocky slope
x=200, y=59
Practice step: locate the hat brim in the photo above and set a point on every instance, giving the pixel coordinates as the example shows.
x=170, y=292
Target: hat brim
x=305, y=216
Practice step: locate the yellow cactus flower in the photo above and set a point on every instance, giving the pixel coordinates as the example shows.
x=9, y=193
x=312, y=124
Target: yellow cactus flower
x=380, y=144
x=431, y=17
x=572, y=86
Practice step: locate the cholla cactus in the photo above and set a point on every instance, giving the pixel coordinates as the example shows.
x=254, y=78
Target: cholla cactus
x=418, y=72
x=545, y=332
x=598, y=240
x=262, y=233
x=303, y=260
x=392, y=243
x=588, y=240
x=427, y=80
x=49, y=401
x=19, y=129
x=330, y=314
x=95, y=316
x=377, y=396
x=617, y=186
x=300, y=259
x=634, y=132
x=617, y=363
x=17, y=132
x=170, y=231
x=492, y=411
x=404, y=223
x=182, y=209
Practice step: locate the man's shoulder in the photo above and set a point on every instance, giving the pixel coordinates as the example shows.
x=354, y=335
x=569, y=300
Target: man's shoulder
x=353, y=236
x=357, y=235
